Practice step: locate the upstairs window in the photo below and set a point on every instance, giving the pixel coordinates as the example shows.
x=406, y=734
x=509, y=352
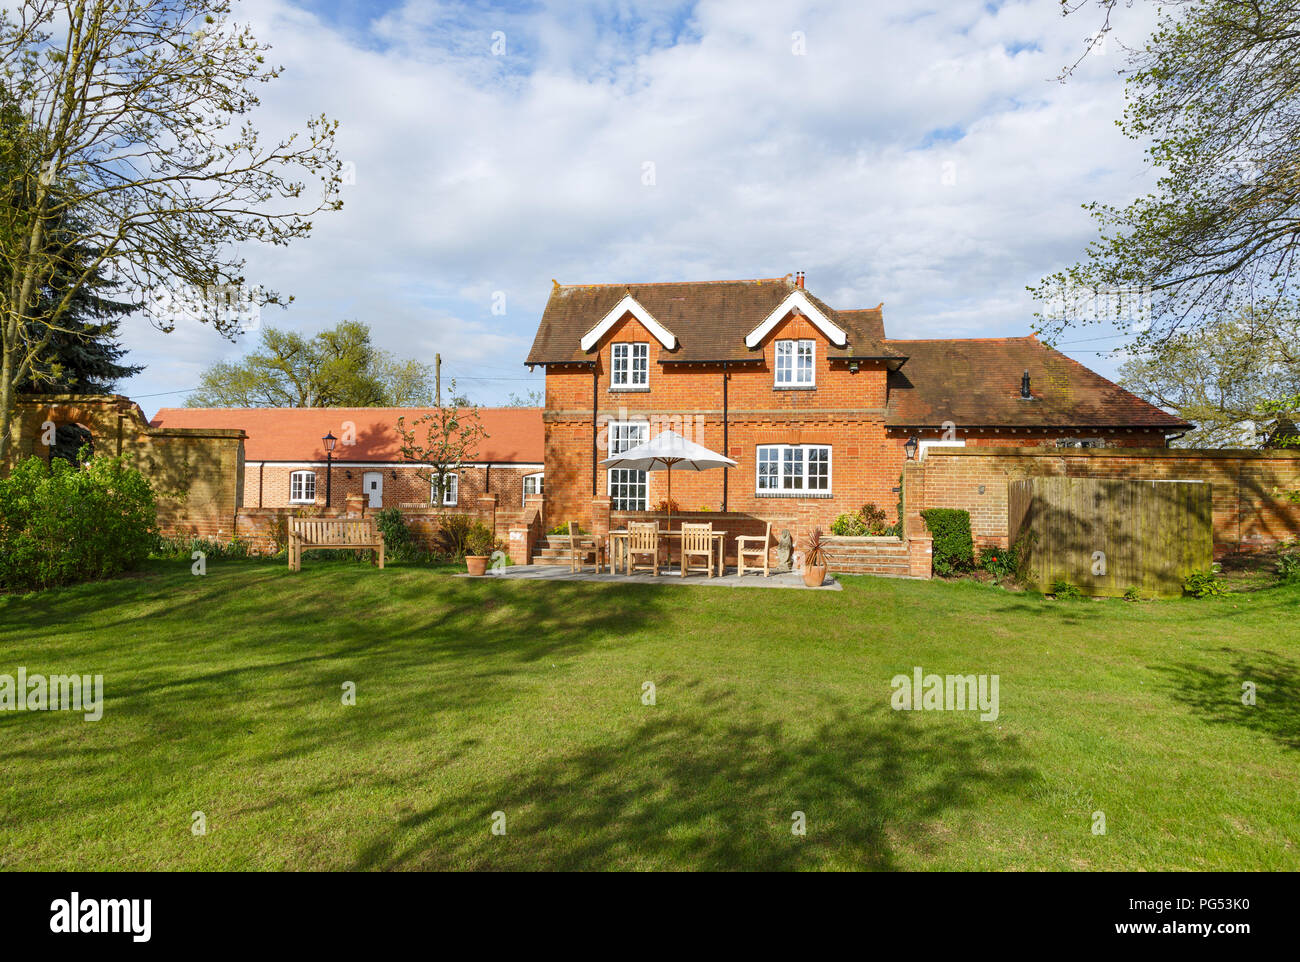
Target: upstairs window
x=302, y=487
x=794, y=469
x=794, y=363
x=629, y=366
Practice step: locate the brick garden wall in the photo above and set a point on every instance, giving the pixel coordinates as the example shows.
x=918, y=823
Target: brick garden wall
x=196, y=473
x=1251, y=511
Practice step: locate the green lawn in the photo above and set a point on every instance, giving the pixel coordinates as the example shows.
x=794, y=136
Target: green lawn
x=223, y=695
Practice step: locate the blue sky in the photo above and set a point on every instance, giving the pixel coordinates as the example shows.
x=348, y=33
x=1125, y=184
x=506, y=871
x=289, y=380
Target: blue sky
x=923, y=157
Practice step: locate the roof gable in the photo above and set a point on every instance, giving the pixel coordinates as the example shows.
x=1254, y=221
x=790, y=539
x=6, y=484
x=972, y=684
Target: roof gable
x=628, y=305
x=796, y=301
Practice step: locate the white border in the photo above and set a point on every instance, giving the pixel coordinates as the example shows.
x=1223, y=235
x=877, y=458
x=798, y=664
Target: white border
x=800, y=300
x=625, y=306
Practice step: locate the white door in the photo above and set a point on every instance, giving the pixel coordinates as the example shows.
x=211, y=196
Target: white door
x=372, y=483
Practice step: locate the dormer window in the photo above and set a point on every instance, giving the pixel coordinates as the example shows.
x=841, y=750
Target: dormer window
x=629, y=366
x=794, y=363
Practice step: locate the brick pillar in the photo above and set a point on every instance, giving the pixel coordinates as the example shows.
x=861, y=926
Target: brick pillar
x=536, y=502
x=915, y=534
x=355, y=505
x=487, y=505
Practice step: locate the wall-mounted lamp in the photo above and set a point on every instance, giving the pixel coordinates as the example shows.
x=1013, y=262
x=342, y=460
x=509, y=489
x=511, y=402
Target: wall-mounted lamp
x=394, y=473
x=348, y=475
x=910, y=446
x=853, y=367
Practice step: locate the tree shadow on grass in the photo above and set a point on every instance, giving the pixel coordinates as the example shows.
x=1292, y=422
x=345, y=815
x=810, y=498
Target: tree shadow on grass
x=714, y=791
x=1215, y=693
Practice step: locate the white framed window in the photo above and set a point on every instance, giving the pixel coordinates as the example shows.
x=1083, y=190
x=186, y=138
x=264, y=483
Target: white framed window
x=794, y=363
x=1080, y=443
x=794, y=469
x=627, y=489
x=451, y=496
x=533, y=484
x=629, y=366
x=302, y=487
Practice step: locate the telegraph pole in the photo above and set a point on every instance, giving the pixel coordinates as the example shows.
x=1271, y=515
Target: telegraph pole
x=437, y=378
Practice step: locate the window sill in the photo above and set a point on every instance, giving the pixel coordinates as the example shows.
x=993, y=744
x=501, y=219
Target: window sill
x=630, y=390
x=794, y=387
x=820, y=495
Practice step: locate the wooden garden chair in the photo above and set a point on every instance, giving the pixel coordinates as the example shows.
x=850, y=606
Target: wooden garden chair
x=643, y=539
x=754, y=546
x=578, y=551
x=697, y=541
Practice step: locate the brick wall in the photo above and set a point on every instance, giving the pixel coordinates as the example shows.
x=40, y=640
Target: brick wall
x=196, y=474
x=1251, y=510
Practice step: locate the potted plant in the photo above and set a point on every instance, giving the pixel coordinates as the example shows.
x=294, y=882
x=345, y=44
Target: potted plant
x=479, y=543
x=814, y=559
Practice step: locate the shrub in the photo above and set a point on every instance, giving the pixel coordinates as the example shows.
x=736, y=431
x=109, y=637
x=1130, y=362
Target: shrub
x=667, y=507
x=61, y=524
x=183, y=547
x=399, y=543
x=1204, y=584
x=1065, y=591
x=814, y=553
x=563, y=528
x=1000, y=562
x=453, y=531
x=1288, y=562
x=848, y=526
x=480, y=540
x=1131, y=593
x=953, y=549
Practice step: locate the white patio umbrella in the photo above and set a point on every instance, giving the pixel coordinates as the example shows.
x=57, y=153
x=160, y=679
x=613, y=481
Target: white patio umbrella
x=665, y=451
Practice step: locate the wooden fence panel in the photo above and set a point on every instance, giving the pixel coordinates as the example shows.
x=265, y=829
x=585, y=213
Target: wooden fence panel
x=1107, y=535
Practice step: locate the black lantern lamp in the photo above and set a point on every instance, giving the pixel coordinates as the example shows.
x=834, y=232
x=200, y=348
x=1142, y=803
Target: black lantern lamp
x=330, y=440
x=910, y=446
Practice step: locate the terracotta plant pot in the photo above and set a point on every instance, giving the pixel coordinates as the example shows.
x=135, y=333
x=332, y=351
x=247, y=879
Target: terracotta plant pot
x=476, y=563
x=813, y=576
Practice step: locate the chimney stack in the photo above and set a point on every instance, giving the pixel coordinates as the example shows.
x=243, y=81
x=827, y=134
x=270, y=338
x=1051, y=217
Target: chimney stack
x=798, y=279
x=1024, y=387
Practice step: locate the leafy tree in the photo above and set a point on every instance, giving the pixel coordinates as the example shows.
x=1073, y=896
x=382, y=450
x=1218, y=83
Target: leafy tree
x=531, y=399
x=1225, y=377
x=135, y=124
x=1215, y=91
x=451, y=436
x=339, y=367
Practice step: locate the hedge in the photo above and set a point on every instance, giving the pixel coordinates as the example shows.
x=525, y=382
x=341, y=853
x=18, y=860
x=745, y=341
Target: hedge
x=954, y=549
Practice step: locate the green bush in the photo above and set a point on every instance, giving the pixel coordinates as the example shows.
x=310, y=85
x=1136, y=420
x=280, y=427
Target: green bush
x=480, y=540
x=563, y=529
x=1288, y=562
x=1204, y=584
x=1064, y=591
x=452, y=532
x=1000, y=562
x=61, y=524
x=1131, y=593
x=183, y=547
x=953, y=549
x=848, y=526
x=399, y=543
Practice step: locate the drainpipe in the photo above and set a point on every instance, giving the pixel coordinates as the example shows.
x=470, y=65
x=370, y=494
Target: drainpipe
x=726, y=451
x=595, y=387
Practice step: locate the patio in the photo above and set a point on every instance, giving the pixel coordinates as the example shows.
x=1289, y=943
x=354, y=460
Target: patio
x=781, y=579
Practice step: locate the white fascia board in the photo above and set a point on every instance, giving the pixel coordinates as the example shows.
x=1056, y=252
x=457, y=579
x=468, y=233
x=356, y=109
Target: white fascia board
x=808, y=309
x=625, y=306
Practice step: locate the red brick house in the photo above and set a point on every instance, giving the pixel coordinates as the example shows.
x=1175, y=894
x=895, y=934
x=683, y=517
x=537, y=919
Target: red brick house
x=285, y=460
x=816, y=404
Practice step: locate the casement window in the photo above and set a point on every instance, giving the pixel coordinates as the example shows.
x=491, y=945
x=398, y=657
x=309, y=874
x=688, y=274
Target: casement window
x=791, y=469
x=629, y=366
x=627, y=489
x=794, y=363
x=451, y=494
x=1080, y=443
x=532, y=485
x=302, y=487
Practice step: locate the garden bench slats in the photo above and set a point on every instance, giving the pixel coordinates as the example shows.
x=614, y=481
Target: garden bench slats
x=333, y=533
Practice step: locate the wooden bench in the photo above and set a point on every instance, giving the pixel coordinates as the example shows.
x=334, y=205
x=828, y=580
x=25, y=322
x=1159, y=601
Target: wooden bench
x=342, y=534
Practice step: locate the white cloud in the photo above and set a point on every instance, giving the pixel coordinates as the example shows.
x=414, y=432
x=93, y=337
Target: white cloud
x=477, y=174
